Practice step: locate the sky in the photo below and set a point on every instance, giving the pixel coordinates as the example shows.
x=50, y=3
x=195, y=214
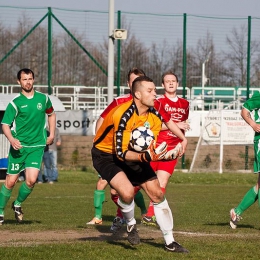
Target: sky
x=226, y=8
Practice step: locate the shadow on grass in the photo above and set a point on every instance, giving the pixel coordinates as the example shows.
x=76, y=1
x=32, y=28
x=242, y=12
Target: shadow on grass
x=24, y=222
x=227, y=225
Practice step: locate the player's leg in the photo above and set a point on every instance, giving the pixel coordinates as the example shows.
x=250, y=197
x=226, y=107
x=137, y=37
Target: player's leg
x=163, y=215
x=15, y=166
x=125, y=201
x=164, y=170
x=99, y=198
x=33, y=163
x=118, y=221
x=251, y=196
x=248, y=200
x=139, y=201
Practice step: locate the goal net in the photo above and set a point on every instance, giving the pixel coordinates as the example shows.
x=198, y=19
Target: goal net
x=225, y=143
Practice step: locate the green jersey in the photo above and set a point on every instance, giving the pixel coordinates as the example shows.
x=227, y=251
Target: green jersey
x=253, y=104
x=27, y=118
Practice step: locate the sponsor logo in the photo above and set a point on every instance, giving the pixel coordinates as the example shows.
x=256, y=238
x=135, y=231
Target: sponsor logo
x=23, y=106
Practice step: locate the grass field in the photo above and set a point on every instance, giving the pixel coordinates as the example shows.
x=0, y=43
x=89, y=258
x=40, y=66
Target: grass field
x=55, y=219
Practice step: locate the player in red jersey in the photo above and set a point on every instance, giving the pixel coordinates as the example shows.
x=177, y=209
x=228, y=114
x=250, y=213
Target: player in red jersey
x=178, y=109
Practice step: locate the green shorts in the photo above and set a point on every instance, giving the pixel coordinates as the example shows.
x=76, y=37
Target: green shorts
x=27, y=157
x=257, y=156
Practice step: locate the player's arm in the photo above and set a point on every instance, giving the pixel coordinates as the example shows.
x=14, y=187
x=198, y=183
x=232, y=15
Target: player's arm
x=15, y=143
x=52, y=127
x=112, y=105
x=246, y=115
x=99, y=123
x=177, y=131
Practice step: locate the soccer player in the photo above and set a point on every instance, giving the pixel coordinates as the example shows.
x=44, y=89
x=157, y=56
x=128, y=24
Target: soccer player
x=178, y=109
x=99, y=193
x=252, y=195
x=123, y=168
x=24, y=125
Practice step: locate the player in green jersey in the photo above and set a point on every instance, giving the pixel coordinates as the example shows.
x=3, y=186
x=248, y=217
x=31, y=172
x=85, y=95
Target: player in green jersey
x=252, y=195
x=24, y=125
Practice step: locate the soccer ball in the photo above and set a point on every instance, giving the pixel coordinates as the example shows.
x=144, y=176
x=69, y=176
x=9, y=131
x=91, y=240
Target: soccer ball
x=141, y=138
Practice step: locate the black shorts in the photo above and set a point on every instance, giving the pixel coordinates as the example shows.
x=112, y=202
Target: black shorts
x=108, y=165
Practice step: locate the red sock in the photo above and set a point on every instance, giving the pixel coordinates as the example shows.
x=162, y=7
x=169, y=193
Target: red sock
x=150, y=211
x=118, y=213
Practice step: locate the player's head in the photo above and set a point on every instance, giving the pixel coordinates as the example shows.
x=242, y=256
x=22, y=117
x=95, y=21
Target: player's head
x=144, y=91
x=133, y=74
x=169, y=73
x=170, y=83
x=26, y=71
x=25, y=78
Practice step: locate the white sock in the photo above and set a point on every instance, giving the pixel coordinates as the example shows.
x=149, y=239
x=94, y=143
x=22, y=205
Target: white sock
x=164, y=219
x=128, y=211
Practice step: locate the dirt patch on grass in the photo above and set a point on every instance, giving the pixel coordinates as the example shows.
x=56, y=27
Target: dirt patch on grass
x=100, y=233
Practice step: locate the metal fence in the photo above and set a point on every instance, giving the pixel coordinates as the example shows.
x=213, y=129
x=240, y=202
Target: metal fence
x=69, y=47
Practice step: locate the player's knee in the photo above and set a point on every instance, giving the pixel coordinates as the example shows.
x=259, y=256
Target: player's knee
x=157, y=197
x=127, y=197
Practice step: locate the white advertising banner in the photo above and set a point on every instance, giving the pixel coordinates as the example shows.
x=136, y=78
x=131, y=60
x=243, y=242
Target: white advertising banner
x=75, y=122
x=228, y=127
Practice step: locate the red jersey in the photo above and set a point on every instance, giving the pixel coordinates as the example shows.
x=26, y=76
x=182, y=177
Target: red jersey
x=178, y=109
x=122, y=99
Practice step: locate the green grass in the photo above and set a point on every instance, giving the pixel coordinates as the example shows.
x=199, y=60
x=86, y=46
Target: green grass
x=200, y=205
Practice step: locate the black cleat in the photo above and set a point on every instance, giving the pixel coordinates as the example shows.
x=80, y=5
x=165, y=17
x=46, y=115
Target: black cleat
x=133, y=236
x=176, y=248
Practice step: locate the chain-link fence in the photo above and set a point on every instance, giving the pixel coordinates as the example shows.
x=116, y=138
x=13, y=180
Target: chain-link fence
x=70, y=47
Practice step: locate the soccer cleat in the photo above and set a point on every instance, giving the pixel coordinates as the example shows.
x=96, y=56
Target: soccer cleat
x=149, y=221
x=18, y=213
x=234, y=218
x=95, y=221
x=116, y=225
x=132, y=235
x=1, y=219
x=175, y=247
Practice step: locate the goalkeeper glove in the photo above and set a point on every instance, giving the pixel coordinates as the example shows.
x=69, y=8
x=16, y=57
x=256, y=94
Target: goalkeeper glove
x=152, y=154
x=174, y=153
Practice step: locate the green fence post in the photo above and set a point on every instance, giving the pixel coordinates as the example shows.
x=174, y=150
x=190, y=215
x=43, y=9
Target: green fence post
x=248, y=78
x=49, y=50
x=184, y=71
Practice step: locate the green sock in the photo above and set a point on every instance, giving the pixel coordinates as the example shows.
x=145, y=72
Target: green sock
x=23, y=193
x=249, y=199
x=99, y=198
x=5, y=195
x=139, y=201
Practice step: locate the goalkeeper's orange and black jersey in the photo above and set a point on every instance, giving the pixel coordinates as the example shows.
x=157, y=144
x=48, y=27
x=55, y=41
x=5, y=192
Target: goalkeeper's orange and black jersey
x=114, y=134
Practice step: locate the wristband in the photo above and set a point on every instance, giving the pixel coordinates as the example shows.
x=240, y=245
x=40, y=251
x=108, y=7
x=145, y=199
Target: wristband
x=143, y=157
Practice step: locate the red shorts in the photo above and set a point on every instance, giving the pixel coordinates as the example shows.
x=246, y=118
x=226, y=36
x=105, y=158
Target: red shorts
x=167, y=166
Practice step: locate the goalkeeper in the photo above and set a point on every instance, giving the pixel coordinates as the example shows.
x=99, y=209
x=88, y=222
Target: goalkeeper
x=123, y=168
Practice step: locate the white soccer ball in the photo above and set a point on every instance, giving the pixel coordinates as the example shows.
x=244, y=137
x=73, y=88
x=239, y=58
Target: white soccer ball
x=141, y=138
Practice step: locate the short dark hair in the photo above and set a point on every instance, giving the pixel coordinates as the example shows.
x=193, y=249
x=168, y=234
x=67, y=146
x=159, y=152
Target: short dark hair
x=169, y=72
x=26, y=71
x=138, y=82
x=136, y=71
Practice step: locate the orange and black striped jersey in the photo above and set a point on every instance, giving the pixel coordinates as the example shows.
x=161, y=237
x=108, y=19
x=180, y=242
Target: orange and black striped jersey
x=114, y=134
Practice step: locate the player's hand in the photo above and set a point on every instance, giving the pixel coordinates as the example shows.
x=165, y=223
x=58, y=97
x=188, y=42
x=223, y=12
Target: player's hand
x=174, y=153
x=152, y=153
x=15, y=144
